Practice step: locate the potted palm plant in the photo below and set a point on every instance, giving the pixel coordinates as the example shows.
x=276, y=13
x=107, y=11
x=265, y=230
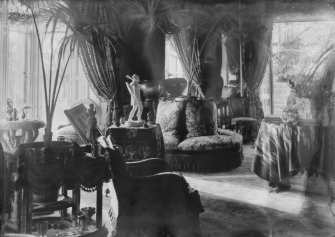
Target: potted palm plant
x=54, y=56
x=47, y=157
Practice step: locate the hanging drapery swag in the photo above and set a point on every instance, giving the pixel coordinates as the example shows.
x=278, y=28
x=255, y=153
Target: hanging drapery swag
x=101, y=64
x=256, y=51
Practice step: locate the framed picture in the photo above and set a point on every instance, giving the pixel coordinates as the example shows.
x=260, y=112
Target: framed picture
x=78, y=117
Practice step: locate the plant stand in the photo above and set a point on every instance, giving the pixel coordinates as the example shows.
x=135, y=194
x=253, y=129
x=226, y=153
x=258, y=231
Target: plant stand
x=80, y=170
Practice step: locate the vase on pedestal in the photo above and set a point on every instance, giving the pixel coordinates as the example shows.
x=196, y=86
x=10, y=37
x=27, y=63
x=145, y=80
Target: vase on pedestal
x=151, y=91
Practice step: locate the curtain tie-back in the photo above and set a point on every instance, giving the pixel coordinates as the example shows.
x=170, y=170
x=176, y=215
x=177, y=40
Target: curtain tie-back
x=197, y=85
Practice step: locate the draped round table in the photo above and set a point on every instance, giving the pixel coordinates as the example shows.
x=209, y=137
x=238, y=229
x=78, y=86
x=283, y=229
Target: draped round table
x=137, y=143
x=13, y=133
x=283, y=149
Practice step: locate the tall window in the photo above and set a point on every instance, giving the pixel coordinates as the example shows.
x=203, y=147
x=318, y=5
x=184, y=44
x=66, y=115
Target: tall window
x=229, y=79
x=3, y=55
x=265, y=91
x=296, y=50
x=21, y=74
x=172, y=64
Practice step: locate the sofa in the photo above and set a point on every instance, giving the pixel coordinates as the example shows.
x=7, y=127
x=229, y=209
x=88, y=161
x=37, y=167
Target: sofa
x=192, y=139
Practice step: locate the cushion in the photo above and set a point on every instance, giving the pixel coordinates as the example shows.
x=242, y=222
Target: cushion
x=201, y=117
x=226, y=132
x=170, y=141
x=170, y=117
x=209, y=143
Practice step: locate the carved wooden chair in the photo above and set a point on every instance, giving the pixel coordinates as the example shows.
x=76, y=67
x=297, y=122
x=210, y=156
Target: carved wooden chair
x=156, y=205
x=240, y=122
x=224, y=114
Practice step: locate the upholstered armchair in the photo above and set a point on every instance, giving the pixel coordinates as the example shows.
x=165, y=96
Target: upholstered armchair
x=192, y=139
x=162, y=204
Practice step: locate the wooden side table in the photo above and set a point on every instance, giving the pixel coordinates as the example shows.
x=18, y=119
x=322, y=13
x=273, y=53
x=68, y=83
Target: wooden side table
x=138, y=143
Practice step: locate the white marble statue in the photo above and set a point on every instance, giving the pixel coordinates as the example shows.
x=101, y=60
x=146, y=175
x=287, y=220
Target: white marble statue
x=136, y=102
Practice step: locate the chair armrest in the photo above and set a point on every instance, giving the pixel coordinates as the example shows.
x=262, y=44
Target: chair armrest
x=146, y=167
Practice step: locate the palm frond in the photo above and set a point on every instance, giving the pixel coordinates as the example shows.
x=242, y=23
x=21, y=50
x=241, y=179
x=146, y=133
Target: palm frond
x=148, y=15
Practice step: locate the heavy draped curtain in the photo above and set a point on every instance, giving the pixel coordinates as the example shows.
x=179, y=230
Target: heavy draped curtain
x=255, y=37
x=185, y=42
x=256, y=46
x=101, y=65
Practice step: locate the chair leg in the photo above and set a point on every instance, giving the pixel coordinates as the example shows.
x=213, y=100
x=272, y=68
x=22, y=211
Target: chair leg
x=226, y=117
x=64, y=193
x=99, y=207
x=76, y=198
x=19, y=210
x=27, y=211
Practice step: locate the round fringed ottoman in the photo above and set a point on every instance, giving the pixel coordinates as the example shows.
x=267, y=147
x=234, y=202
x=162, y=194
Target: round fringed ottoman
x=191, y=137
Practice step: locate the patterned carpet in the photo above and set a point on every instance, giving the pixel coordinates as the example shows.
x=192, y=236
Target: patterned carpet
x=238, y=204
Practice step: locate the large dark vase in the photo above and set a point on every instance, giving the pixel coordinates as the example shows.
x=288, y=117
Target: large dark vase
x=44, y=168
x=151, y=89
x=174, y=87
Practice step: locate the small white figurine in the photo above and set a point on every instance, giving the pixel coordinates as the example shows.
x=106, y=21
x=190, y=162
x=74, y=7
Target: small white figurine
x=135, y=93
